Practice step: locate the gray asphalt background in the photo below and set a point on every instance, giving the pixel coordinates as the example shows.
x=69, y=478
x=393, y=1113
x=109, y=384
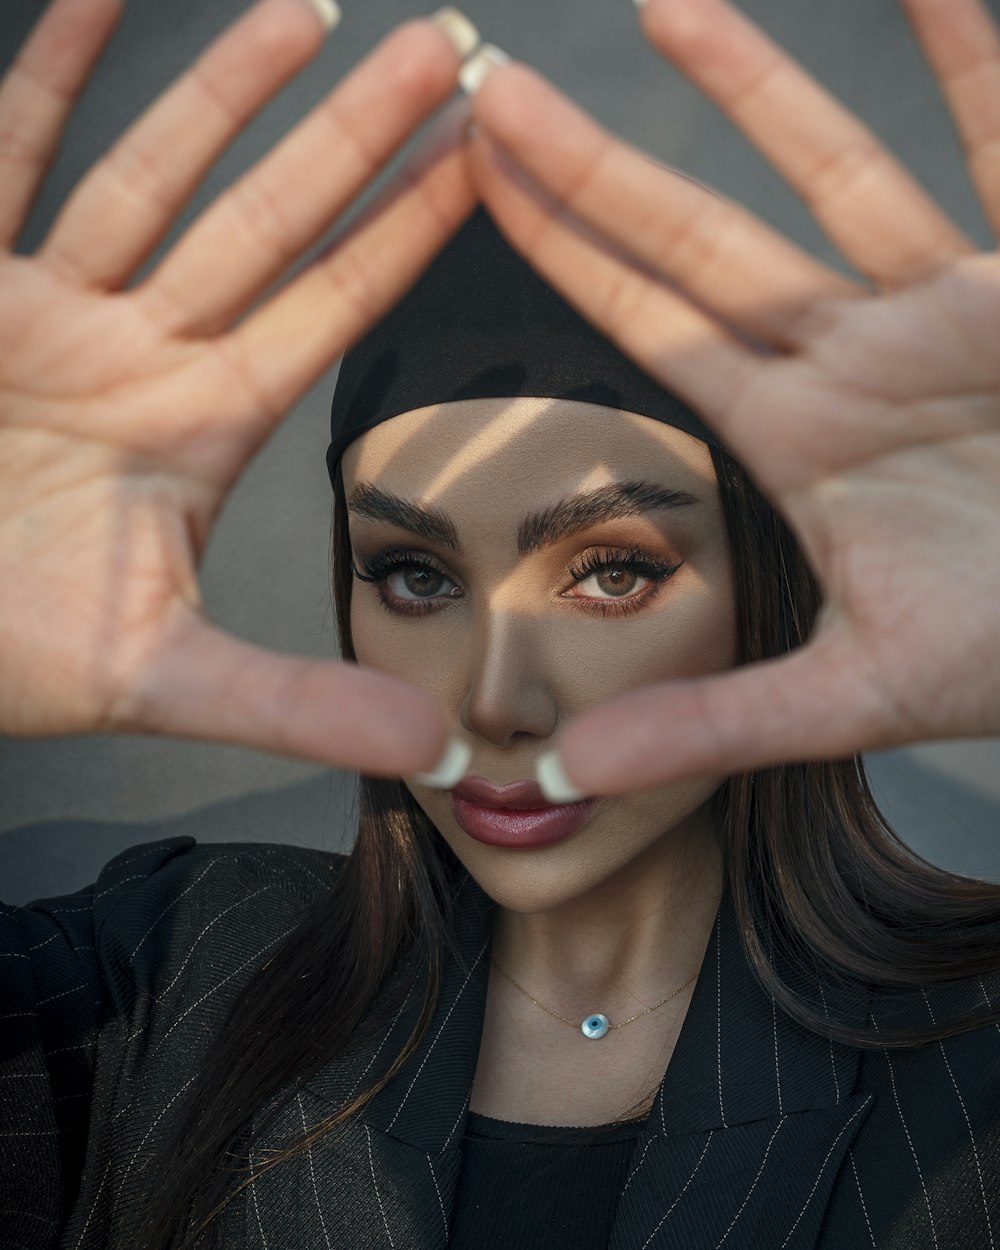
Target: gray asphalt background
x=67, y=805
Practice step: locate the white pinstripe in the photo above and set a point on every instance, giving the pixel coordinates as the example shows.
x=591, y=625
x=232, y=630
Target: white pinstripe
x=139, y=876
x=38, y=945
x=718, y=1011
x=219, y=985
x=822, y=1166
x=632, y=1174
x=312, y=1173
x=468, y=1099
x=64, y=1050
x=760, y=1170
x=127, y=857
x=195, y=1005
x=468, y=975
x=174, y=901
x=968, y=1123
x=93, y=1205
x=864, y=1205
x=444, y=1217
x=62, y=994
x=777, y=1070
x=682, y=1193
x=120, y=1180
x=833, y=1065
x=902, y=1120
x=385, y=1037
x=158, y=998
x=371, y=1164
x=988, y=1001
x=256, y=1208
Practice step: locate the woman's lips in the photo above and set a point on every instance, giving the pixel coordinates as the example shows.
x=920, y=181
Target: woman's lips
x=519, y=827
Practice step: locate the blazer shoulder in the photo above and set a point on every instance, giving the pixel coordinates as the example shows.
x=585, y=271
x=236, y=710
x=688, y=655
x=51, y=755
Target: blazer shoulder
x=174, y=864
x=170, y=906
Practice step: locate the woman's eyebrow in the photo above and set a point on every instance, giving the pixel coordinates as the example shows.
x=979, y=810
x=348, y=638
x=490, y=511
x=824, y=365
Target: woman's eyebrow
x=540, y=529
x=606, y=503
x=378, y=505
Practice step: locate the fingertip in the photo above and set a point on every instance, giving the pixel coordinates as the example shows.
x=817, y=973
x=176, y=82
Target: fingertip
x=449, y=769
x=554, y=781
x=421, y=59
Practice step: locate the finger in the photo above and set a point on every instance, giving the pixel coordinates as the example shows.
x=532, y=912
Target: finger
x=719, y=253
x=124, y=206
x=664, y=333
x=963, y=46
x=282, y=348
x=37, y=95
x=816, y=703
x=869, y=205
x=205, y=684
x=250, y=235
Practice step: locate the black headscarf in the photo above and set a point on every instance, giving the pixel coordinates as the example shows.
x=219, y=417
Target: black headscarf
x=480, y=323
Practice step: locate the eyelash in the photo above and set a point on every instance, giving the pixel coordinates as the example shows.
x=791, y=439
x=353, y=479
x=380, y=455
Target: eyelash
x=380, y=567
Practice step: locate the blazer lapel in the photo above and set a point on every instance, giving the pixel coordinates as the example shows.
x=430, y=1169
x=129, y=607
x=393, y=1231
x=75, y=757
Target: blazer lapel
x=752, y=1120
x=391, y=1177
x=747, y=1133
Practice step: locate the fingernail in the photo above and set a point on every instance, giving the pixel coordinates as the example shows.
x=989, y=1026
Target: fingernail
x=328, y=12
x=552, y=779
x=474, y=72
x=450, y=769
x=459, y=30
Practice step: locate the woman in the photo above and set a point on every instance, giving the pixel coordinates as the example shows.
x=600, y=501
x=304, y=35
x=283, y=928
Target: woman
x=792, y=1110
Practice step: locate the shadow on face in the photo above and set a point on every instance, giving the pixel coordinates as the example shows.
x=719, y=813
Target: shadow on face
x=522, y=560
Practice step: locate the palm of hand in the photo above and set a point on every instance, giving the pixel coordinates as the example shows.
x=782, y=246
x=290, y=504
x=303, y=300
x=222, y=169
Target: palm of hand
x=880, y=442
x=120, y=442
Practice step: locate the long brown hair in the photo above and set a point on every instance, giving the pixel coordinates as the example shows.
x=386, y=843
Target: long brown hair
x=806, y=851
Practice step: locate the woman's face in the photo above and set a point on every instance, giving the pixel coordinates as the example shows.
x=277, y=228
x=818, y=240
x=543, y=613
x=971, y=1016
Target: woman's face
x=518, y=583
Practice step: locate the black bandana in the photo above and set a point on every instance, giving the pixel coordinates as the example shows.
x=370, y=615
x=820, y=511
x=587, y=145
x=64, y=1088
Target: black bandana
x=481, y=324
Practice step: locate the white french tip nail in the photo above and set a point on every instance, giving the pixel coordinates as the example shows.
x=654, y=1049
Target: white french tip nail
x=451, y=768
x=476, y=69
x=459, y=30
x=328, y=12
x=552, y=779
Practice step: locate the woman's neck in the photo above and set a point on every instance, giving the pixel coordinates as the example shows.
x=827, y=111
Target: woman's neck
x=628, y=942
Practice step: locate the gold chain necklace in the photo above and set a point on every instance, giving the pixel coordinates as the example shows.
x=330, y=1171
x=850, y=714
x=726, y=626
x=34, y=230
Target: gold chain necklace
x=596, y=1025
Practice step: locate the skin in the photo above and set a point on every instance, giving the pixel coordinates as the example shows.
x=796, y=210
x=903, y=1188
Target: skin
x=523, y=648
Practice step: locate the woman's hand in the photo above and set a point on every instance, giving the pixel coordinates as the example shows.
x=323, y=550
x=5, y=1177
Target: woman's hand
x=869, y=413
x=126, y=415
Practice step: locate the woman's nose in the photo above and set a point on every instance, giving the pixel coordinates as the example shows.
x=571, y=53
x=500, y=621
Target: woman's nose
x=509, y=689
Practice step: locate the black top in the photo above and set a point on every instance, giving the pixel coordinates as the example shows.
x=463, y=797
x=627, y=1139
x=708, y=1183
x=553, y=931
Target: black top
x=539, y=1185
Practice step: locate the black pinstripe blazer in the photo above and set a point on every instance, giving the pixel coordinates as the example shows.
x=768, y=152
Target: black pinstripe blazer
x=762, y=1134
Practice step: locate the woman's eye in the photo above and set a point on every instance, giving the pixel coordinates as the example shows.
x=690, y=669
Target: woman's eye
x=417, y=583
x=615, y=581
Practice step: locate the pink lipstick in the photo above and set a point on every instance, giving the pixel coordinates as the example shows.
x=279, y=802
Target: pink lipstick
x=515, y=815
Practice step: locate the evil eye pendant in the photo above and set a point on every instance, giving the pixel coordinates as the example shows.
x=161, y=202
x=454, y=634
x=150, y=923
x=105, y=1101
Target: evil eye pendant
x=595, y=1026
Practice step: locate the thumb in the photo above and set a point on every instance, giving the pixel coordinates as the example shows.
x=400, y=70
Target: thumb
x=204, y=683
x=815, y=703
